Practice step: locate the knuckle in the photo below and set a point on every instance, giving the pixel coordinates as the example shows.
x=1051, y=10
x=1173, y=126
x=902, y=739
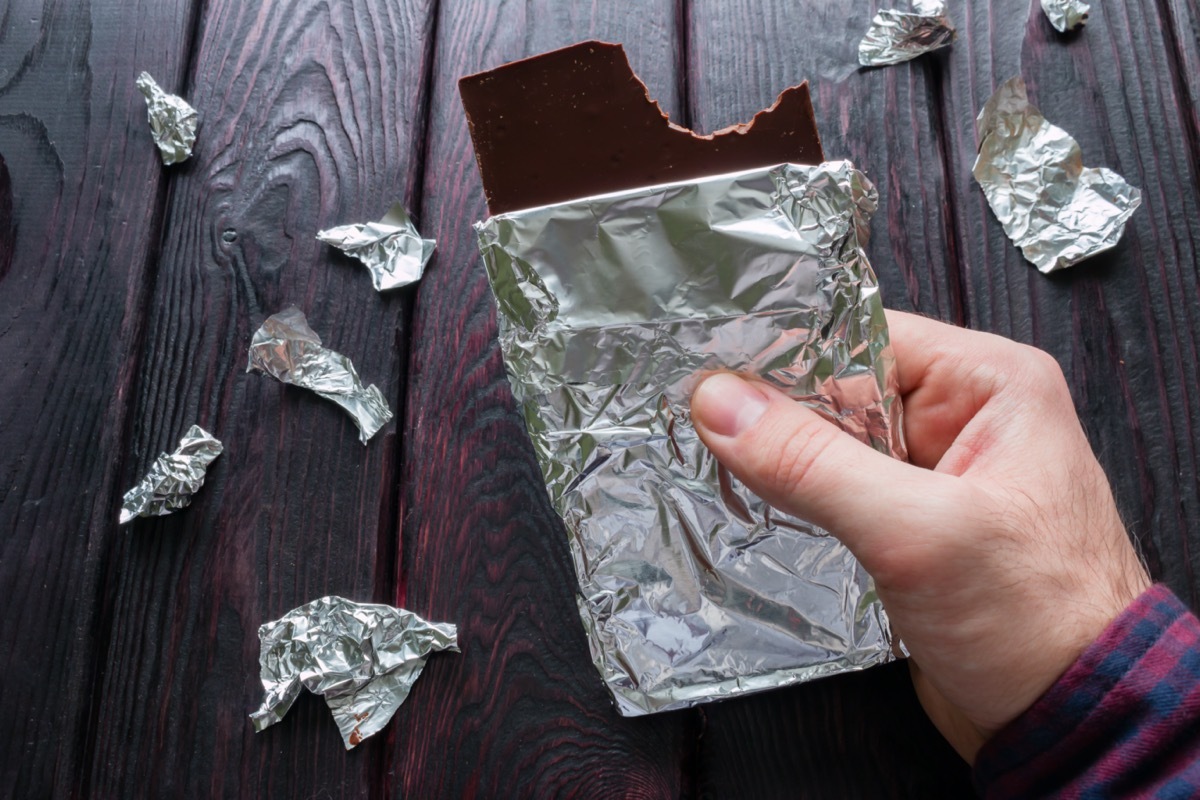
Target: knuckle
x=1046, y=364
x=1049, y=376
x=797, y=453
x=1036, y=374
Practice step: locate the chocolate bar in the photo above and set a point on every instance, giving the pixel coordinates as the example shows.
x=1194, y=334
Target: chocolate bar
x=578, y=122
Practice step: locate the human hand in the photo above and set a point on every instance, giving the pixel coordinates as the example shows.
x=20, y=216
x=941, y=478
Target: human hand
x=998, y=552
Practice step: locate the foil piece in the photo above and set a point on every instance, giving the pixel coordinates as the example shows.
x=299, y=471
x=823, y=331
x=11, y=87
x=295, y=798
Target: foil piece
x=1056, y=210
x=289, y=351
x=173, y=477
x=1065, y=14
x=172, y=121
x=897, y=36
x=611, y=309
x=363, y=658
x=395, y=254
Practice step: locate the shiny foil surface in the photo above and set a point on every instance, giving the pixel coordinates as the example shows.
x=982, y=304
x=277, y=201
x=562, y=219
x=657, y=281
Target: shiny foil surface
x=611, y=309
x=897, y=36
x=173, y=477
x=172, y=121
x=1065, y=14
x=363, y=658
x=1056, y=210
x=289, y=351
x=392, y=249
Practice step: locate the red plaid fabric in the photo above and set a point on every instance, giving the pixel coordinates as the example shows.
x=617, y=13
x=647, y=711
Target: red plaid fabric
x=1124, y=721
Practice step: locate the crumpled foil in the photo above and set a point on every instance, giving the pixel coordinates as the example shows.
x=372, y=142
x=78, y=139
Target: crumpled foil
x=1056, y=210
x=611, y=309
x=395, y=254
x=289, y=351
x=897, y=36
x=173, y=477
x=172, y=121
x=364, y=658
x=1065, y=14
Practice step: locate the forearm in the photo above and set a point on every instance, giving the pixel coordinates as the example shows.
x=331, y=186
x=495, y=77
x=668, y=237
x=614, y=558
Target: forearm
x=1123, y=721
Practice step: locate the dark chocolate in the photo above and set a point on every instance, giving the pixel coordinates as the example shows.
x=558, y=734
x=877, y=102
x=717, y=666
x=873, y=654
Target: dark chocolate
x=577, y=122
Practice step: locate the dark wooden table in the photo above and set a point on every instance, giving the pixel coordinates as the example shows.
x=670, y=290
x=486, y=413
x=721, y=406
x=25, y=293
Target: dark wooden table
x=128, y=294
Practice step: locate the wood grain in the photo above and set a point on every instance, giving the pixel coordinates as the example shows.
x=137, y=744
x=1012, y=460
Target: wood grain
x=1125, y=326
x=522, y=711
x=857, y=735
x=311, y=116
x=1181, y=44
x=80, y=199
x=835, y=737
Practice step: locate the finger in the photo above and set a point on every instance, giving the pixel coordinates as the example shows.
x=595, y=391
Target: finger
x=916, y=342
x=946, y=375
x=935, y=408
x=803, y=464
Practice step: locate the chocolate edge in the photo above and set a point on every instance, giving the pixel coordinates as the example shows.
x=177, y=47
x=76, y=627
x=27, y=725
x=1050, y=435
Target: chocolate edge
x=778, y=107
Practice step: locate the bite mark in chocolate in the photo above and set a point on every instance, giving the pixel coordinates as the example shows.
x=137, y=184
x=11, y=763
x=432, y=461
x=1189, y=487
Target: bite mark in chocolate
x=577, y=122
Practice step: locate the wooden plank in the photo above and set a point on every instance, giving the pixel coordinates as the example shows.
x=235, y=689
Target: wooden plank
x=863, y=734
x=860, y=735
x=311, y=116
x=522, y=711
x=81, y=192
x=1125, y=326
x=1181, y=39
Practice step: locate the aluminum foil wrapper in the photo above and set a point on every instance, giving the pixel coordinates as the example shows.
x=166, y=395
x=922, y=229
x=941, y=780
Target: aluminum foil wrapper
x=395, y=254
x=897, y=36
x=1065, y=14
x=611, y=309
x=173, y=477
x=289, y=351
x=1056, y=210
x=363, y=658
x=172, y=121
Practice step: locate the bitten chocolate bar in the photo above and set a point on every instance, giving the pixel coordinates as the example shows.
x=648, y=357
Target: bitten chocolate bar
x=629, y=257
x=578, y=122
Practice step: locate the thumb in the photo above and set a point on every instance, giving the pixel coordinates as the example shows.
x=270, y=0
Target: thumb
x=803, y=464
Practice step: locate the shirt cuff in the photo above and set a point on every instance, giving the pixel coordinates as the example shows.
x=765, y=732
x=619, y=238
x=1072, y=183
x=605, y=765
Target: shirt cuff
x=1119, y=708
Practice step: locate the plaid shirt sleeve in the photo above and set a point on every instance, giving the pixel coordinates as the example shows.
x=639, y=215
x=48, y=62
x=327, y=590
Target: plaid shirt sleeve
x=1123, y=721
